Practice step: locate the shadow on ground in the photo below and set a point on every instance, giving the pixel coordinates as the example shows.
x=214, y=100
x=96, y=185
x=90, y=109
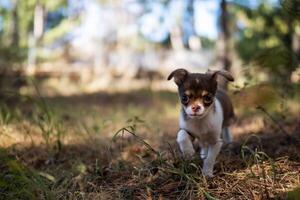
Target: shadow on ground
x=263, y=166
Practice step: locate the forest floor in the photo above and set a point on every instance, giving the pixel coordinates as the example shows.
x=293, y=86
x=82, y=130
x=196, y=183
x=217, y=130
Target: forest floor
x=123, y=146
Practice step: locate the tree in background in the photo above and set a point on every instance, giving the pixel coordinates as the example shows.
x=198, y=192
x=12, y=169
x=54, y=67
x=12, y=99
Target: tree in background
x=224, y=40
x=261, y=30
x=22, y=17
x=187, y=25
x=292, y=13
x=265, y=37
x=19, y=19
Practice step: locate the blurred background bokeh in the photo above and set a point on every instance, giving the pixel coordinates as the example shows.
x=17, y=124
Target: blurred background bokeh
x=86, y=111
x=76, y=46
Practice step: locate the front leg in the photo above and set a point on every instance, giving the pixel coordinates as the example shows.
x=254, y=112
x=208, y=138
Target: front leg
x=203, y=152
x=209, y=162
x=185, y=143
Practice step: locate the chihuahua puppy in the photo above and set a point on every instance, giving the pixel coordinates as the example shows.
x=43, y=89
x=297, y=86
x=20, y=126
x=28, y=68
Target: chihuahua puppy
x=205, y=115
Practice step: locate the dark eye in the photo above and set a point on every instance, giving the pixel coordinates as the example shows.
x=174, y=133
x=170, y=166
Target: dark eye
x=184, y=98
x=207, y=99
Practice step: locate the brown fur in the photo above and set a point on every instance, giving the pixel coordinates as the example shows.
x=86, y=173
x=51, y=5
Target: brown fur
x=228, y=112
x=198, y=84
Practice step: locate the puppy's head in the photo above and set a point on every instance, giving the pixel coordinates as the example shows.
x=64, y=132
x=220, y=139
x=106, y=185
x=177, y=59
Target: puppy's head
x=196, y=90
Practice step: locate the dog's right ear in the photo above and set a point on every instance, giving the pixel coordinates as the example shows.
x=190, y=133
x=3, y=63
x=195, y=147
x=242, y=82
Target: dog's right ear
x=179, y=76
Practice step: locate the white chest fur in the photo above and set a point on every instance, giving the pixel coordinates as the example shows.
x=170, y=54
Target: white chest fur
x=206, y=129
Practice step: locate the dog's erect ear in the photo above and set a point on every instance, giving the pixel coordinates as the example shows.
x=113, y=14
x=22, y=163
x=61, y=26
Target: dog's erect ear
x=223, y=73
x=179, y=76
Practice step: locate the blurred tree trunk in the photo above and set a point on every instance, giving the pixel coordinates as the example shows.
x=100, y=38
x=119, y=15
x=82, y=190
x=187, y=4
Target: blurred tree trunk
x=225, y=53
x=176, y=38
x=15, y=24
x=294, y=41
x=292, y=17
x=35, y=38
x=291, y=41
x=296, y=46
x=39, y=21
x=188, y=23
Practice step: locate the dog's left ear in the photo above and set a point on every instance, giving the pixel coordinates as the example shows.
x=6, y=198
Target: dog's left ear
x=225, y=74
x=179, y=76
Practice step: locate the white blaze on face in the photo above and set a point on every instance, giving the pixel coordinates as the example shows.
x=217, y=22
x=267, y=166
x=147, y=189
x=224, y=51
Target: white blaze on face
x=201, y=112
x=188, y=109
x=197, y=104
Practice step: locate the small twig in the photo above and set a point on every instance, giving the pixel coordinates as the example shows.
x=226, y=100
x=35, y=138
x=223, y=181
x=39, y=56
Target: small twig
x=122, y=130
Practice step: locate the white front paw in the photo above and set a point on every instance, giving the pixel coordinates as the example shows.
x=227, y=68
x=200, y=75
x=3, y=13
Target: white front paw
x=188, y=152
x=185, y=144
x=208, y=168
x=207, y=172
x=203, y=153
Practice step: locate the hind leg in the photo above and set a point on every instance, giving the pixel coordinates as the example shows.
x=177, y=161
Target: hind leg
x=226, y=135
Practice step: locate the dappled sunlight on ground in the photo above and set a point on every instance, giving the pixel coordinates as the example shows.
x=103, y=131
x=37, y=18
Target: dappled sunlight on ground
x=82, y=144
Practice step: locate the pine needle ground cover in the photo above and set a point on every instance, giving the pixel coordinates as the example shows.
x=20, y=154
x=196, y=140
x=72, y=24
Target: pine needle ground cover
x=123, y=146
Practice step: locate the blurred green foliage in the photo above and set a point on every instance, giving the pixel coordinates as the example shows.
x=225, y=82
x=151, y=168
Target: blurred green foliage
x=262, y=35
x=18, y=21
x=294, y=194
x=292, y=8
x=265, y=36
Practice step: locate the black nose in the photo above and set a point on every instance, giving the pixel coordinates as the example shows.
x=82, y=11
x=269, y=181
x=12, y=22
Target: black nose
x=195, y=108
